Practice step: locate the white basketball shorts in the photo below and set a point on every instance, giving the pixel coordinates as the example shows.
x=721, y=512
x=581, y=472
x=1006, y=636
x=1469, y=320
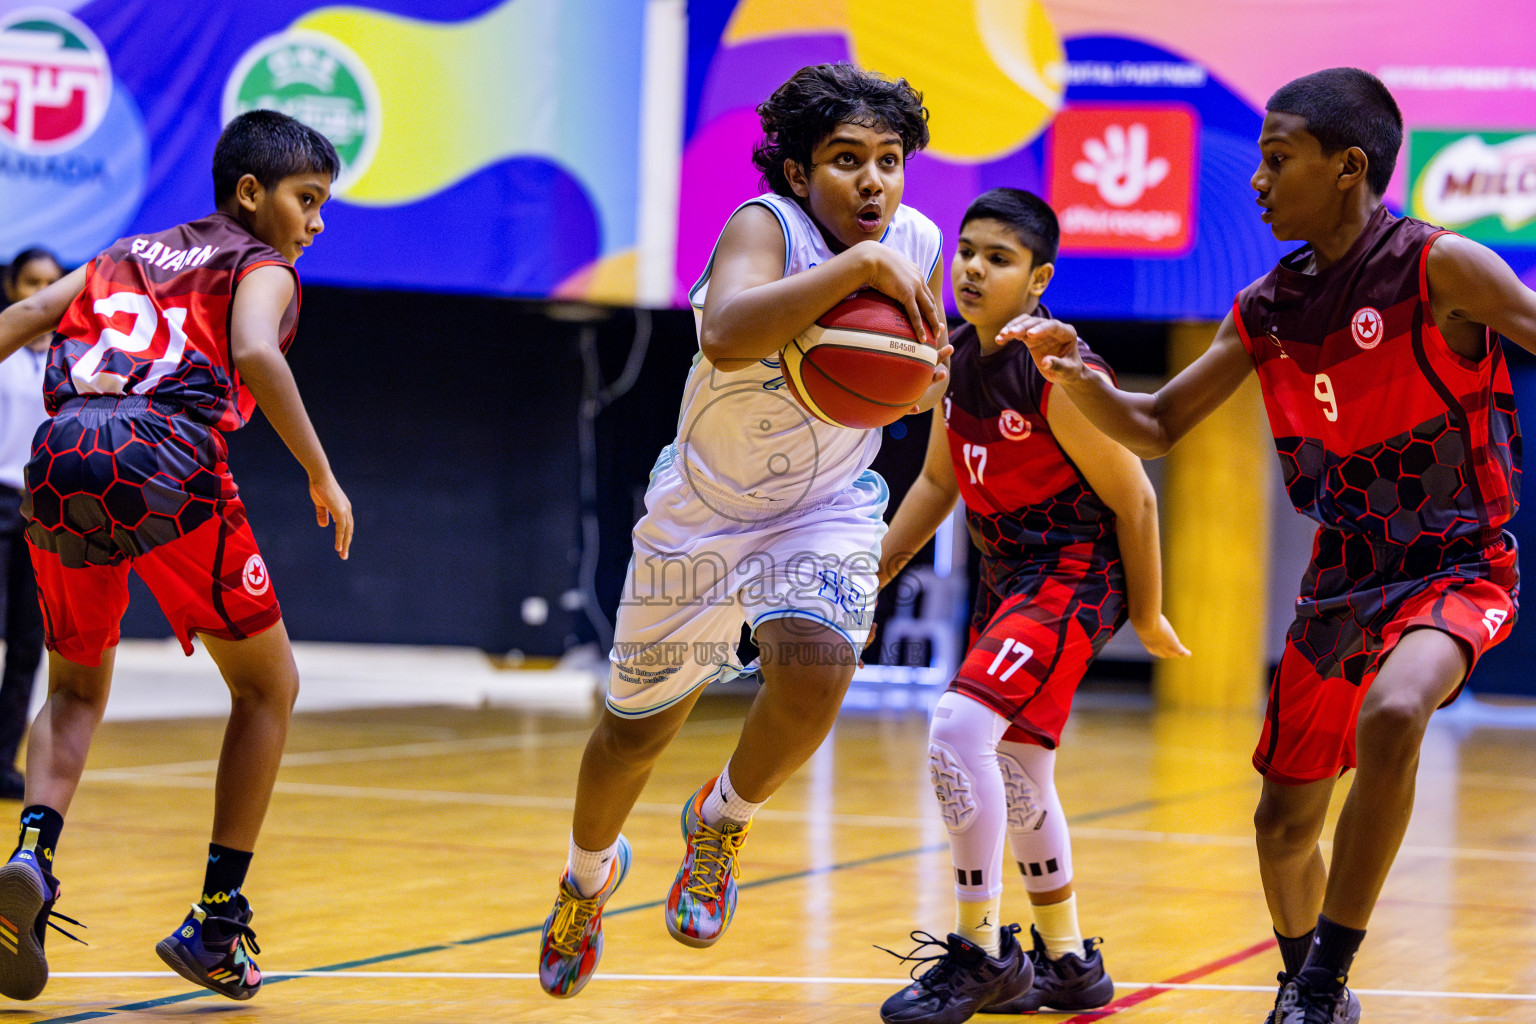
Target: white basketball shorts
x=700, y=571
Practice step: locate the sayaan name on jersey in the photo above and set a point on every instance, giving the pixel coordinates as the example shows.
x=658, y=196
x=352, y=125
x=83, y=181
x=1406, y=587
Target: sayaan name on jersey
x=162, y=256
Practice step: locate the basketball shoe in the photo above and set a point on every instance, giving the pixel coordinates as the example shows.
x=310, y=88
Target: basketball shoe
x=27, y=895
x=962, y=980
x=1068, y=983
x=209, y=950
x=1297, y=1004
x=573, y=931
x=703, y=897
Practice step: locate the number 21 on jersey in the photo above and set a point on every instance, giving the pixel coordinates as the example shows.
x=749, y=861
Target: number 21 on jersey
x=88, y=376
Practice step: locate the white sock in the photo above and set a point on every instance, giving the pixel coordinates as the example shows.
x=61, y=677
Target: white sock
x=962, y=764
x=589, y=869
x=725, y=804
x=1058, y=927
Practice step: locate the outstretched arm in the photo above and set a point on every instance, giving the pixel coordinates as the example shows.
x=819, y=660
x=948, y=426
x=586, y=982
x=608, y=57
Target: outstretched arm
x=1148, y=425
x=753, y=310
x=1470, y=288
x=39, y=312
x=1118, y=478
x=254, y=324
x=927, y=503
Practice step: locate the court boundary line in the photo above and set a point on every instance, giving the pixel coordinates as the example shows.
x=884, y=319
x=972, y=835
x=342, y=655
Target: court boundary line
x=769, y=979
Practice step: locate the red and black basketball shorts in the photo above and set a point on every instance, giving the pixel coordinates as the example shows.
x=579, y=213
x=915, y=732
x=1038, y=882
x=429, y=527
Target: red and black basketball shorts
x=126, y=482
x=1337, y=645
x=1028, y=656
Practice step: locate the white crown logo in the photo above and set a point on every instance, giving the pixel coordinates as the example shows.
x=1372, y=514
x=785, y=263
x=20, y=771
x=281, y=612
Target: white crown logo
x=1119, y=166
x=305, y=64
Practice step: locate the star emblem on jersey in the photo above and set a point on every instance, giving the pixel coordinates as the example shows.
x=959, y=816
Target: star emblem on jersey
x=1013, y=425
x=1366, y=326
x=255, y=577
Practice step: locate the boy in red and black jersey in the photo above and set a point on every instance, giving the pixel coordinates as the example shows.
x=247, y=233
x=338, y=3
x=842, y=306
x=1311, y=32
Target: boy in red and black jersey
x=161, y=344
x=1066, y=522
x=1390, y=403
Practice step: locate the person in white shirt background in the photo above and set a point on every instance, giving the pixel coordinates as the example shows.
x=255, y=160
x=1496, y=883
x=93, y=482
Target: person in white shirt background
x=21, y=410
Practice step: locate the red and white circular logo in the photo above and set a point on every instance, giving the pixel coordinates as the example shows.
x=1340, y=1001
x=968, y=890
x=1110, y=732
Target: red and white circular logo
x=1013, y=425
x=55, y=81
x=1367, y=327
x=255, y=577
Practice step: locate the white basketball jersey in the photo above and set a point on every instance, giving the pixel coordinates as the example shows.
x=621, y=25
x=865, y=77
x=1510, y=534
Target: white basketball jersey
x=747, y=446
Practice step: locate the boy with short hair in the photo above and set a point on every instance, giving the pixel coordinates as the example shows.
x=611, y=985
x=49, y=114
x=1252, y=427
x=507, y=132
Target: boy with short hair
x=757, y=513
x=1066, y=521
x=1376, y=347
x=162, y=343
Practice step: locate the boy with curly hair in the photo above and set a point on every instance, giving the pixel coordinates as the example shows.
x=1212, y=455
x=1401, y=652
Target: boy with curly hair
x=756, y=513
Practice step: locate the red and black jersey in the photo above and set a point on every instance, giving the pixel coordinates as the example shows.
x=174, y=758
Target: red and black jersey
x=1044, y=535
x=1023, y=496
x=153, y=320
x=1383, y=431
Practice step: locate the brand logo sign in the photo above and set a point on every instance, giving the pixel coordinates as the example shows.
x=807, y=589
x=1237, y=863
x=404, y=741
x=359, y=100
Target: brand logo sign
x=55, y=81
x=1122, y=178
x=1483, y=184
x=315, y=79
x=1365, y=327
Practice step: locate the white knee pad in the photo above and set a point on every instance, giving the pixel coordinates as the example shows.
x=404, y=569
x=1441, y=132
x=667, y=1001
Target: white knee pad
x=953, y=785
x=1026, y=802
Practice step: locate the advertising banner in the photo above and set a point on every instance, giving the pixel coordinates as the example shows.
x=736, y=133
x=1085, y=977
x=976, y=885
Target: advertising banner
x=486, y=145
x=1137, y=122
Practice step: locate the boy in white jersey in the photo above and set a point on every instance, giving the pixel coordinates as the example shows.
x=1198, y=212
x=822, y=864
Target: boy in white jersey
x=756, y=513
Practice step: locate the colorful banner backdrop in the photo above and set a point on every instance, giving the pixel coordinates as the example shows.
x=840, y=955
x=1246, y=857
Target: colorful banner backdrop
x=488, y=145
x=1136, y=121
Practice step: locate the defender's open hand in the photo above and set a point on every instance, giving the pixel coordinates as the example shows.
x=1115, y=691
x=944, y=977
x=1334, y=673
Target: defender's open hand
x=331, y=503
x=1160, y=640
x=1051, y=342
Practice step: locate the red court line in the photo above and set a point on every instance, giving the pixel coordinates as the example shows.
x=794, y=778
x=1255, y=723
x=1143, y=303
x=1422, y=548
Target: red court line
x=1143, y=995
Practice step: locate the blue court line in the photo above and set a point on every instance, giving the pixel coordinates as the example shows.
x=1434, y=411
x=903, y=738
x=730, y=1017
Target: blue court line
x=1108, y=812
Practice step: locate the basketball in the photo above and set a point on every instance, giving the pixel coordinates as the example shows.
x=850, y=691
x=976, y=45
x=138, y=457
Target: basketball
x=860, y=364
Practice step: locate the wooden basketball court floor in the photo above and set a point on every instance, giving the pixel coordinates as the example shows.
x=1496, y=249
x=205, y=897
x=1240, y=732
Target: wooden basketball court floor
x=411, y=853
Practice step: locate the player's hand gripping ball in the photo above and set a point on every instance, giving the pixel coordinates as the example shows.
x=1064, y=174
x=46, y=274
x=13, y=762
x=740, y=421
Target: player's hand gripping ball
x=860, y=364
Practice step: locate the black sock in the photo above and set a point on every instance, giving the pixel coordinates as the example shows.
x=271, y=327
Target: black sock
x=225, y=876
x=49, y=823
x=1333, y=951
x=1294, y=951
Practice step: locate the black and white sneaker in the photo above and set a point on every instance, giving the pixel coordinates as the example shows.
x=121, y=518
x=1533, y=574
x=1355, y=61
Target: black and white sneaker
x=1297, y=1004
x=962, y=980
x=1068, y=983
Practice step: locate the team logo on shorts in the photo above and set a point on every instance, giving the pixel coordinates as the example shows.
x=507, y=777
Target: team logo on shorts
x=1013, y=425
x=255, y=577
x=55, y=81
x=314, y=78
x=1367, y=327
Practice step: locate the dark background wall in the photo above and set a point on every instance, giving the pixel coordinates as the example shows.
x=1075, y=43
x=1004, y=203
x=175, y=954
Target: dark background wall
x=454, y=424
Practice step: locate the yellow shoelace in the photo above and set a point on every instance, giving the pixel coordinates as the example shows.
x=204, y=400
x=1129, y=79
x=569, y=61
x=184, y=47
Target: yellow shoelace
x=572, y=913
x=714, y=859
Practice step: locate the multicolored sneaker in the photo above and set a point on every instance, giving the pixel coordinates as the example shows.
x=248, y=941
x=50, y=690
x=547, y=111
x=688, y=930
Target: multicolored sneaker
x=962, y=980
x=703, y=897
x=573, y=931
x=1295, y=1003
x=209, y=950
x=1069, y=983
x=27, y=895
